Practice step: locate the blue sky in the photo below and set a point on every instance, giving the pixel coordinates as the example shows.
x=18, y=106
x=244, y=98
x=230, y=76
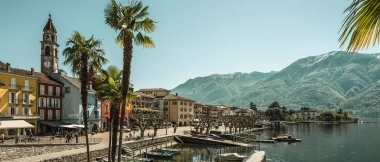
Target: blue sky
x=193, y=38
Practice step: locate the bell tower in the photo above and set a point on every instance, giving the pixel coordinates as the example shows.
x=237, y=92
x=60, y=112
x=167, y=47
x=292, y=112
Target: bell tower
x=49, y=48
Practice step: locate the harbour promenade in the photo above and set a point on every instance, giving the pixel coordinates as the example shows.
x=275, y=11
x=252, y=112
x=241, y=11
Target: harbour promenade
x=68, y=152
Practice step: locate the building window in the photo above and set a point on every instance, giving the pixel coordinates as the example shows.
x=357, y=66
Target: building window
x=57, y=114
x=25, y=111
x=50, y=114
x=181, y=103
x=12, y=97
x=26, y=98
x=42, y=114
x=12, y=111
x=58, y=91
x=47, y=50
x=185, y=116
x=67, y=89
x=185, y=109
x=166, y=103
x=185, y=103
x=50, y=104
x=42, y=89
x=50, y=90
x=106, y=109
x=181, y=116
x=190, y=110
x=96, y=115
x=165, y=109
x=190, y=104
x=181, y=109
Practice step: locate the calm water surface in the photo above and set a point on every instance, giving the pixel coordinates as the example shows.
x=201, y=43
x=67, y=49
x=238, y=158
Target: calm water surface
x=320, y=143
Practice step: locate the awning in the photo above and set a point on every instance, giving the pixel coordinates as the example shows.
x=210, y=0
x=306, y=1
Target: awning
x=55, y=123
x=10, y=124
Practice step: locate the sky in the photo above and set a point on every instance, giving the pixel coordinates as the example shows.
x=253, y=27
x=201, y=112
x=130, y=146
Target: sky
x=193, y=37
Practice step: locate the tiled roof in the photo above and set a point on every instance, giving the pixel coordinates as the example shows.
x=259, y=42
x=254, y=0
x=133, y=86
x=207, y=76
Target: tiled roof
x=15, y=71
x=76, y=82
x=49, y=25
x=153, y=89
x=43, y=78
x=143, y=95
x=174, y=97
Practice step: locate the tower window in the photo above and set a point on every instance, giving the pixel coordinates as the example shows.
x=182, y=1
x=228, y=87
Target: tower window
x=47, y=37
x=47, y=50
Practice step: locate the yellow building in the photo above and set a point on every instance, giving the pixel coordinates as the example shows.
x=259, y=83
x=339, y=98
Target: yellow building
x=18, y=104
x=178, y=109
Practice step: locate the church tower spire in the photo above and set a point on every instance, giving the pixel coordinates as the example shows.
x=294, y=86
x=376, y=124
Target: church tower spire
x=49, y=48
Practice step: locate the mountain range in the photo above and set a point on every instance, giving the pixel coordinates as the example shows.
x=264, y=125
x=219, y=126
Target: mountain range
x=329, y=81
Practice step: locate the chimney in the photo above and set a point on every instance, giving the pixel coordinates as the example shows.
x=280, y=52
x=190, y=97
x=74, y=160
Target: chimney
x=176, y=94
x=32, y=71
x=8, y=67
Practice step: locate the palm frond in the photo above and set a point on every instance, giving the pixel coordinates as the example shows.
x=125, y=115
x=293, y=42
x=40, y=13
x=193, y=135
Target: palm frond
x=361, y=27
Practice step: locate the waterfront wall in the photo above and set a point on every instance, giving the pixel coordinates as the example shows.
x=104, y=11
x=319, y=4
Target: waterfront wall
x=22, y=151
x=64, y=154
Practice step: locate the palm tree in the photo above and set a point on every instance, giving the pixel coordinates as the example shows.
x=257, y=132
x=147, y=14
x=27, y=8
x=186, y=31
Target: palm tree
x=85, y=57
x=110, y=89
x=131, y=21
x=361, y=26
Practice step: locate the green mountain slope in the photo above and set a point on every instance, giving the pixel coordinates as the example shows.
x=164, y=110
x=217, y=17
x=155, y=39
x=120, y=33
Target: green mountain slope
x=219, y=87
x=329, y=81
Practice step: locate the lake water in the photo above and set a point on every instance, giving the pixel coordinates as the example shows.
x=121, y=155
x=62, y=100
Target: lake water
x=320, y=143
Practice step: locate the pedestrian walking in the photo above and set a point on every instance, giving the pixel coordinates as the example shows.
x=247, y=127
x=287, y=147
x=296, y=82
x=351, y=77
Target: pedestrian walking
x=2, y=138
x=76, y=137
x=17, y=136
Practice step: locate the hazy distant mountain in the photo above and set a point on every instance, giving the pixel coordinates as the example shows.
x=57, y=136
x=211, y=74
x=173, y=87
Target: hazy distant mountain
x=328, y=81
x=218, y=88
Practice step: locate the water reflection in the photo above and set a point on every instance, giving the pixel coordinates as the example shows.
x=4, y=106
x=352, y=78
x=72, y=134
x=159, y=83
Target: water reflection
x=199, y=153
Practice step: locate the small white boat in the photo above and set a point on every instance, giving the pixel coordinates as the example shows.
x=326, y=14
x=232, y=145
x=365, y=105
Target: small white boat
x=230, y=157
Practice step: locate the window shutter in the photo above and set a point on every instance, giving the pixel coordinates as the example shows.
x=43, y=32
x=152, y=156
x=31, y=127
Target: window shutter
x=30, y=111
x=58, y=103
x=44, y=102
x=26, y=84
x=16, y=111
x=9, y=110
x=23, y=111
x=10, y=97
x=16, y=96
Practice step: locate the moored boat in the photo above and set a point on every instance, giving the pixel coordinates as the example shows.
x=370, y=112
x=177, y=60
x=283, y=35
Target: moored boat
x=159, y=155
x=229, y=157
x=286, y=138
x=174, y=151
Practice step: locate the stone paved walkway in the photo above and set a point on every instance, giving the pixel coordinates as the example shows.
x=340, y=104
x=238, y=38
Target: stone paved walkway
x=59, y=154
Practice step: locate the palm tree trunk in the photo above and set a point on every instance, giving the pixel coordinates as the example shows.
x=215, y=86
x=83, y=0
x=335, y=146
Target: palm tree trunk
x=84, y=94
x=115, y=116
x=109, y=137
x=127, y=60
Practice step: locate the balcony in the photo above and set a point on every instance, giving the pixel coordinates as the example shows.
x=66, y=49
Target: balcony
x=14, y=87
x=14, y=116
x=27, y=89
x=28, y=102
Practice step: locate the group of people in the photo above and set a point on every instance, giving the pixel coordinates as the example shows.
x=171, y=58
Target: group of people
x=70, y=135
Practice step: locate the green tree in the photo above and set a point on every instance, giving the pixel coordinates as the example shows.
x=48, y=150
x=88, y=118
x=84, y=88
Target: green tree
x=360, y=27
x=109, y=88
x=293, y=117
x=274, y=105
x=252, y=106
x=132, y=22
x=85, y=57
